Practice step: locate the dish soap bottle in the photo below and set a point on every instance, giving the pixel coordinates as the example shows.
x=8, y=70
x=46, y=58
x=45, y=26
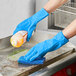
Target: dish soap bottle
x=19, y=38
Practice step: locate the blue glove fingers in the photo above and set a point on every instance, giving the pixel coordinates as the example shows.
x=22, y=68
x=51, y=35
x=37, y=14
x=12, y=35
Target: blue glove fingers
x=31, y=55
x=29, y=52
x=29, y=35
x=34, y=57
x=37, y=61
x=16, y=30
x=30, y=30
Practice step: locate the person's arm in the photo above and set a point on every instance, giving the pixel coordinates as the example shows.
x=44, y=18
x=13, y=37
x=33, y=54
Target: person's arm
x=30, y=23
x=52, y=5
x=55, y=43
x=70, y=30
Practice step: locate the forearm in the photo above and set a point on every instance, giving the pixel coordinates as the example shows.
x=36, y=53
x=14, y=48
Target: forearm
x=52, y=5
x=70, y=30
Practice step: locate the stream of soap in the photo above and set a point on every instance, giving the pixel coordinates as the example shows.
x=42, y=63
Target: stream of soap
x=14, y=56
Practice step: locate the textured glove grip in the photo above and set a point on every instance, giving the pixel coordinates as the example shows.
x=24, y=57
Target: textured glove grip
x=40, y=15
x=61, y=38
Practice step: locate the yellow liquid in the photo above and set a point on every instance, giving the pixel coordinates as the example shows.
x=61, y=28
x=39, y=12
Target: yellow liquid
x=17, y=40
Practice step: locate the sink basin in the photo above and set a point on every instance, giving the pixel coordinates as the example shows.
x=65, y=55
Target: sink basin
x=7, y=65
x=38, y=36
x=69, y=9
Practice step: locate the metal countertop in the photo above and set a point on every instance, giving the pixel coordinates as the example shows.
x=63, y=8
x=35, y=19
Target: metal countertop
x=59, y=57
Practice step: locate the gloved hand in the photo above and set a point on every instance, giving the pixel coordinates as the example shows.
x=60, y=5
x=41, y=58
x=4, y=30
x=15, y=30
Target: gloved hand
x=42, y=48
x=29, y=24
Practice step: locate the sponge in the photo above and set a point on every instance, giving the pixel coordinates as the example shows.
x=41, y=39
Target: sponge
x=40, y=60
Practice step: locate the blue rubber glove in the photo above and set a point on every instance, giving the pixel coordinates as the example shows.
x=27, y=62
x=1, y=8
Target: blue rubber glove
x=46, y=46
x=29, y=24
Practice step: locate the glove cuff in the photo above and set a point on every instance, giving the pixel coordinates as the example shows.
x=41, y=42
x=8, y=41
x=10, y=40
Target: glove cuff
x=40, y=15
x=61, y=38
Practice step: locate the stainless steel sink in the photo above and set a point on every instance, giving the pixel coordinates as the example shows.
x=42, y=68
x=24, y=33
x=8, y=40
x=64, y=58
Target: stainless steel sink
x=38, y=36
x=61, y=18
x=71, y=4
x=68, y=9
x=5, y=42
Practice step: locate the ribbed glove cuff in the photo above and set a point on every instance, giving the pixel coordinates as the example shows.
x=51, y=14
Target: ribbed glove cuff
x=40, y=15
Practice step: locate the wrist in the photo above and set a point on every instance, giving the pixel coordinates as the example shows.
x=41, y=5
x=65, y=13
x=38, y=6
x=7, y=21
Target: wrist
x=47, y=9
x=65, y=34
x=61, y=37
